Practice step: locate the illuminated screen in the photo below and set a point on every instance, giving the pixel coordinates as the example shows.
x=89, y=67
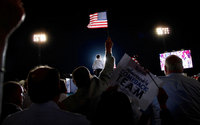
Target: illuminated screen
x=185, y=55
x=71, y=87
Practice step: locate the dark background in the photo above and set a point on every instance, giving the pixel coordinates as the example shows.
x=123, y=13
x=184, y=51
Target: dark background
x=131, y=27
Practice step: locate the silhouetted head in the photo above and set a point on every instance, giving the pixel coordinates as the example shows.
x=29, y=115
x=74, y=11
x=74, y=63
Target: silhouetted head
x=43, y=84
x=98, y=56
x=113, y=108
x=13, y=93
x=81, y=77
x=173, y=64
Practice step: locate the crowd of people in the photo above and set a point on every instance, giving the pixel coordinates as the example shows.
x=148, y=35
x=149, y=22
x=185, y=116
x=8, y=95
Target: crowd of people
x=42, y=99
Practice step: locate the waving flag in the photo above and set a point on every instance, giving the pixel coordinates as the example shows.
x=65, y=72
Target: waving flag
x=98, y=20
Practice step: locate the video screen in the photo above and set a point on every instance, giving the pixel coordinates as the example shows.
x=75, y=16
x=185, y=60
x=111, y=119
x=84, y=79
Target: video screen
x=185, y=55
x=71, y=87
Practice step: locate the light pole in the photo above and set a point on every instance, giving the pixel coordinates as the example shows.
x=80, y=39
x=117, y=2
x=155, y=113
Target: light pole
x=163, y=31
x=39, y=38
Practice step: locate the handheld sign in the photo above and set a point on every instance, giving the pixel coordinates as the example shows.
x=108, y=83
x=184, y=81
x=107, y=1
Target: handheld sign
x=139, y=85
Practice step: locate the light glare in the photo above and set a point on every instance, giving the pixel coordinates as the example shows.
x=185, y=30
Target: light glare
x=40, y=38
x=162, y=30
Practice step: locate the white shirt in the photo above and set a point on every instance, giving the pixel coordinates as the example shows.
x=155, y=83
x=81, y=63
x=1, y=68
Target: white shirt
x=45, y=114
x=183, y=98
x=98, y=64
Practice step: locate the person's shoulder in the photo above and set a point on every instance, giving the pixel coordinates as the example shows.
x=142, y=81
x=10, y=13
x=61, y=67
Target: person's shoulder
x=161, y=77
x=164, y=77
x=167, y=80
x=74, y=117
x=95, y=81
x=193, y=81
x=94, y=77
x=15, y=118
x=70, y=99
x=11, y=107
x=170, y=76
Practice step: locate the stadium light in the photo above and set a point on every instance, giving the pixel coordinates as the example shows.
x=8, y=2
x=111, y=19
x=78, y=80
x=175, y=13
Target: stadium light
x=39, y=37
x=162, y=31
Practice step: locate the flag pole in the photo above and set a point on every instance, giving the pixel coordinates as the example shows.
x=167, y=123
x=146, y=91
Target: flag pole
x=153, y=79
x=108, y=33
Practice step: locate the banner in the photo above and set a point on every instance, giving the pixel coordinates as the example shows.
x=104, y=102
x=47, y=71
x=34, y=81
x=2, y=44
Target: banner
x=139, y=85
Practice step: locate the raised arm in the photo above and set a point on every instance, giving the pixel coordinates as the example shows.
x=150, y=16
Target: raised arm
x=109, y=65
x=11, y=16
x=100, y=84
x=108, y=45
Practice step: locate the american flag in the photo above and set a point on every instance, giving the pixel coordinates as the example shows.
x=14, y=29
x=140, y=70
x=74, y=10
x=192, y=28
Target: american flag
x=98, y=20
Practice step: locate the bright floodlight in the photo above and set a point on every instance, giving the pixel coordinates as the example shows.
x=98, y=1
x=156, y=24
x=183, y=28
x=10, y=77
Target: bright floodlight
x=162, y=31
x=39, y=38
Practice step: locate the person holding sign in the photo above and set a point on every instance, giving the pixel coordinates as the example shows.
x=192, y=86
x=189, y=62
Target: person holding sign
x=183, y=93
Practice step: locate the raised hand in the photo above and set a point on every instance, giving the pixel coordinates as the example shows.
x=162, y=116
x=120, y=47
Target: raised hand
x=11, y=15
x=108, y=45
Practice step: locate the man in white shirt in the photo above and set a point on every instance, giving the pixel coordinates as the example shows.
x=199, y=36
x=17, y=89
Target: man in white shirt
x=44, y=90
x=183, y=93
x=98, y=65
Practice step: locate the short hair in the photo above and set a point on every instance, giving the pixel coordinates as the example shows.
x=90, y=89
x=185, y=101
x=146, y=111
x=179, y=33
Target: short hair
x=98, y=56
x=10, y=88
x=174, y=64
x=81, y=76
x=43, y=84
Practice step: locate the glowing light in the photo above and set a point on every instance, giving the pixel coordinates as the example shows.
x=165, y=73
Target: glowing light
x=162, y=31
x=39, y=38
x=104, y=59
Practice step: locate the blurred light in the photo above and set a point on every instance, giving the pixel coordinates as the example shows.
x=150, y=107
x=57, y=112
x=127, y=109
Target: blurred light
x=104, y=59
x=39, y=38
x=68, y=84
x=162, y=31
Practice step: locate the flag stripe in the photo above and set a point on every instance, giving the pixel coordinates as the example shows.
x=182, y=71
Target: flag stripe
x=97, y=23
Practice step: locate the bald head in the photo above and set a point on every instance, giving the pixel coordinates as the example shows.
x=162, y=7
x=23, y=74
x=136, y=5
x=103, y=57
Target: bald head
x=173, y=64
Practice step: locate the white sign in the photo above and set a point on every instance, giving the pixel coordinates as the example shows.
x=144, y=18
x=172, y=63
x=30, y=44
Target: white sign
x=135, y=82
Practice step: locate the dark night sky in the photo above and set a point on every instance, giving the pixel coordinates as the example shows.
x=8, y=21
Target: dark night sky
x=71, y=44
